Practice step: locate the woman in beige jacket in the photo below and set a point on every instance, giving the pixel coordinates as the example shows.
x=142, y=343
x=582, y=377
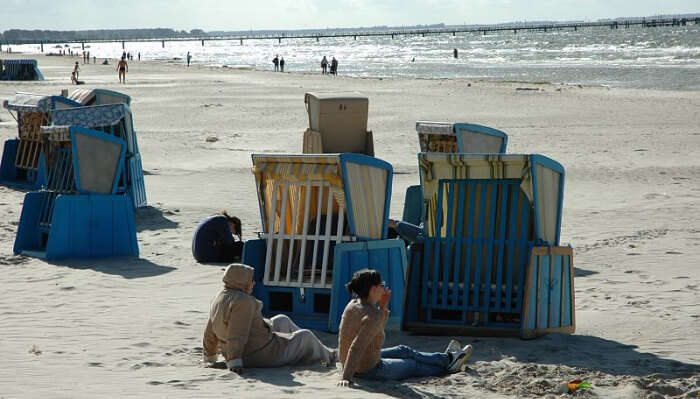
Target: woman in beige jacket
x=246, y=339
x=361, y=338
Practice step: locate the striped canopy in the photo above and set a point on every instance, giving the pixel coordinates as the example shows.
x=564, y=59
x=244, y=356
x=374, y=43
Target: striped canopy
x=358, y=183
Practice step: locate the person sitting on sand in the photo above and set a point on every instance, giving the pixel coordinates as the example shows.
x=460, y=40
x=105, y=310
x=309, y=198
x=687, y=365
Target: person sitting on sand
x=246, y=339
x=218, y=239
x=361, y=338
x=122, y=68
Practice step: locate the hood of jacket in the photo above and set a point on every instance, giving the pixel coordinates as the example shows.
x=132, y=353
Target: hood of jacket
x=238, y=276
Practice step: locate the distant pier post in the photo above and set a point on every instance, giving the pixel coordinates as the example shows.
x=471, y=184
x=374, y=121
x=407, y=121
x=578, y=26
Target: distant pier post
x=162, y=43
x=279, y=40
x=355, y=37
x=83, y=44
x=202, y=42
x=515, y=31
x=241, y=42
x=575, y=28
x=123, y=46
x=454, y=33
x=392, y=35
x=0, y=47
x=316, y=38
x=42, y=47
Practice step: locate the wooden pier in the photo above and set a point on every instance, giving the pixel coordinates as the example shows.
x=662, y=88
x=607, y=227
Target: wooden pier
x=318, y=35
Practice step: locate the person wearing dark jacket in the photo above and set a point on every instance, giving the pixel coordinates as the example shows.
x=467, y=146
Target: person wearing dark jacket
x=218, y=239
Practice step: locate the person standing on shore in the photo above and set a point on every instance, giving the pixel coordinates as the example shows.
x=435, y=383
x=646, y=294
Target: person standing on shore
x=139, y=56
x=455, y=53
x=76, y=70
x=122, y=68
x=334, y=66
x=324, y=66
x=276, y=62
x=189, y=58
x=88, y=57
x=282, y=64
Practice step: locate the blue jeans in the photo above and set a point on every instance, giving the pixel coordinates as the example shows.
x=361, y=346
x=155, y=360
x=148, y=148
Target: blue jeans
x=401, y=362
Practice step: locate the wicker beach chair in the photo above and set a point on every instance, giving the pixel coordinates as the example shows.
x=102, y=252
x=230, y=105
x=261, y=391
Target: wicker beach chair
x=79, y=213
x=321, y=223
x=491, y=263
x=337, y=124
x=23, y=164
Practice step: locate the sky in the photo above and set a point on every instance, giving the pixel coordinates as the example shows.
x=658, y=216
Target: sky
x=317, y=14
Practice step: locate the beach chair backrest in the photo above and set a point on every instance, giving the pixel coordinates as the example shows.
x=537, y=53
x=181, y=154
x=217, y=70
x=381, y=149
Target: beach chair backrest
x=540, y=181
x=460, y=137
x=97, y=160
x=341, y=119
x=310, y=203
x=99, y=97
x=113, y=119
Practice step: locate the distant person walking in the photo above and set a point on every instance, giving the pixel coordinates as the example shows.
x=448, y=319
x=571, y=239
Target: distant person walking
x=124, y=54
x=88, y=57
x=334, y=66
x=76, y=70
x=83, y=56
x=139, y=56
x=455, y=53
x=324, y=65
x=189, y=58
x=276, y=62
x=282, y=64
x=122, y=68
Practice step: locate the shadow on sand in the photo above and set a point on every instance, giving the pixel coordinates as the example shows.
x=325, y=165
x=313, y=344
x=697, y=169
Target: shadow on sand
x=129, y=268
x=151, y=218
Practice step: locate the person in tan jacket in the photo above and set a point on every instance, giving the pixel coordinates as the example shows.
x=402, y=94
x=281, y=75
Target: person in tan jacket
x=361, y=338
x=246, y=339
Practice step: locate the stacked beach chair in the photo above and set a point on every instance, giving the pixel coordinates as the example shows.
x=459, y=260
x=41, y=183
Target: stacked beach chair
x=99, y=97
x=93, y=182
x=324, y=216
x=491, y=262
x=21, y=69
x=80, y=212
x=23, y=163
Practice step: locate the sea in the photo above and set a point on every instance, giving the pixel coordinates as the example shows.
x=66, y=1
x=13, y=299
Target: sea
x=634, y=57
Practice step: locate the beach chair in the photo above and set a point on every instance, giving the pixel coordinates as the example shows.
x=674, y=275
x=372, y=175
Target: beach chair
x=22, y=69
x=22, y=164
x=115, y=120
x=491, y=263
x=324, y=217
x=460, y=137
x=79, y=213
x=450, y=137
x=99, y=97
x=337, y=124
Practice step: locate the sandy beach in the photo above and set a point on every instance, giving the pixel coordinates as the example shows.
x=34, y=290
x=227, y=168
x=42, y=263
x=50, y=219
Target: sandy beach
x=133, y=327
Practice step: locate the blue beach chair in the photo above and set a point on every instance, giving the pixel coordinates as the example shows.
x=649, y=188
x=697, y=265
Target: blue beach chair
x=79, y=213
x=324, y=217
x=21, y=69
x=23, y=163
x=115, y=120
x=450, y=137
x=491, y=263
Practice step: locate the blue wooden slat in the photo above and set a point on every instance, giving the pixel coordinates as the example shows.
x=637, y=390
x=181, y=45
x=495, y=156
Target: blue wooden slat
x=504, y=190
x=530, y=322
x=424, y=267
x=524, y=249
x=468, y=255
x=493, y=205
x=555, y=293
x=479, y=246
x=459, y=239
x=514, y=197
x=446, y=265
x=543, y=291
x=568, y=311
x=438, y=245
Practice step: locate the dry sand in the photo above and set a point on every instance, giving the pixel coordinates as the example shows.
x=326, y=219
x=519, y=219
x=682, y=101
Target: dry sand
x=133, y=327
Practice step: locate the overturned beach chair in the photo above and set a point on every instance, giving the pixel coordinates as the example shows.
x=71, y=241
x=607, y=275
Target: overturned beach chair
x=115, y=120
x=21, y=69
x=324, y=217
x=451, y=138
x=337, y=124
x=22, y=164
x=99, y=97
x=79, y=213
x=491, y=263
